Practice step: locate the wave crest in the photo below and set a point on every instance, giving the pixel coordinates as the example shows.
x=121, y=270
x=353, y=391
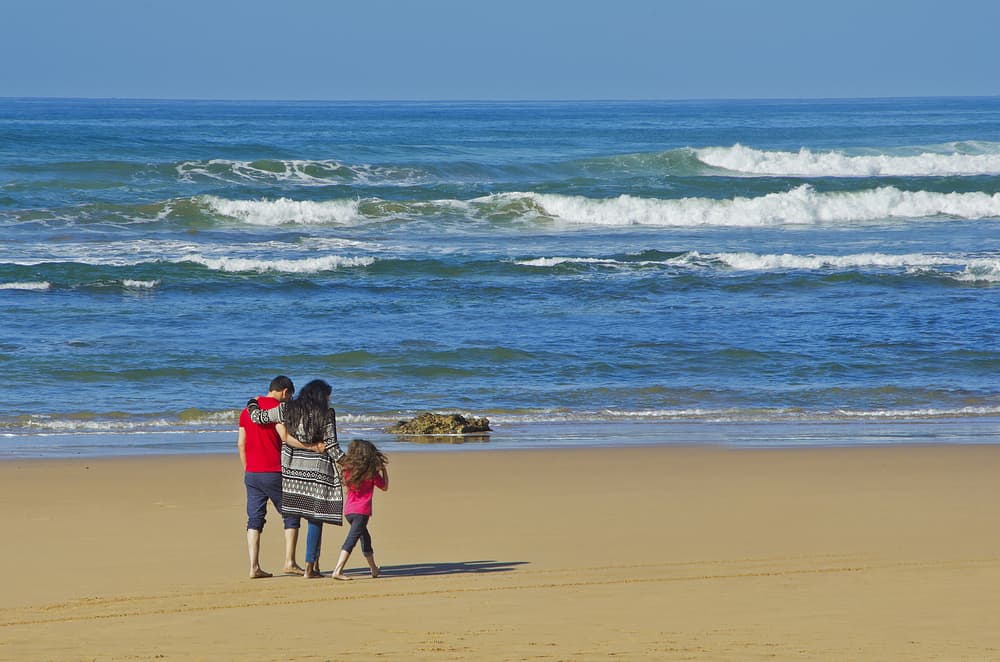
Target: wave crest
x=800, y=206
x=301, y=266
x=297, y=171
x=807, y=163
x=283, y=210
x=39, y=286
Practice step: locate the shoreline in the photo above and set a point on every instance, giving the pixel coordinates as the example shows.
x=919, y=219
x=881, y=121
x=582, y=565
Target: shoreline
x=658, y=552
x=542, y=435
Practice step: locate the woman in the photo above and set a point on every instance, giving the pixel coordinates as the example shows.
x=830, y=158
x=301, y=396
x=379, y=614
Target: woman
x=310, y=481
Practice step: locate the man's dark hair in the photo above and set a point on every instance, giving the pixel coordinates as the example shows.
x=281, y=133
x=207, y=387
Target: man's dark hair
x=280, y=383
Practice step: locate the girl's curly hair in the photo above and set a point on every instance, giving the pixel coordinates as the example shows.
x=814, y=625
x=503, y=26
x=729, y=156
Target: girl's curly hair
x=362, y=462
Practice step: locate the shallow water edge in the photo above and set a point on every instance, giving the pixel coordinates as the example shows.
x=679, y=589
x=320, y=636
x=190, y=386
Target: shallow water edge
x=548, y=435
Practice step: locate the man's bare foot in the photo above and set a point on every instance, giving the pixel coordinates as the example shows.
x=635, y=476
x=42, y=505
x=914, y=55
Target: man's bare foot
x=343, y=578
x=311, y=572
x=259, y=574
x=294, y=570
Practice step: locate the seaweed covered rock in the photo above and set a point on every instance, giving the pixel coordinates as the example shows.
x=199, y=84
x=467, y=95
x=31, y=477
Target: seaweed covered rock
x=428, y=423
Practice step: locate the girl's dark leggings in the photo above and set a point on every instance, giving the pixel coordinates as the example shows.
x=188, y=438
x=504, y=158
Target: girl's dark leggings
x=359, y=530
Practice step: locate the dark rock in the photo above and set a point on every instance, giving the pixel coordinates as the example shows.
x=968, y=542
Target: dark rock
x=428, y=423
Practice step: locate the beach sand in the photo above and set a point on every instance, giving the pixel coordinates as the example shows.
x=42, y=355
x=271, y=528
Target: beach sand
x=665, y=553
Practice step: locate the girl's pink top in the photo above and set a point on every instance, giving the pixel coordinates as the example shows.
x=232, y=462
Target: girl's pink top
x=359, y=500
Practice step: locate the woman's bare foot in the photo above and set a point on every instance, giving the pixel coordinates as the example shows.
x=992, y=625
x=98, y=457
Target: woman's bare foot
x=259, y=574
x=343, y=578
x=376, y=571
x=294, y=570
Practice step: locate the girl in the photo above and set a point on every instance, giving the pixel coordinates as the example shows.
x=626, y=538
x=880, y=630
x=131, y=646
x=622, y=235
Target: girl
x=363, y=468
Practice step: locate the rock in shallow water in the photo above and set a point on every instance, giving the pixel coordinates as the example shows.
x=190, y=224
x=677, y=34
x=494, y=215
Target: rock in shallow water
x=428, y=423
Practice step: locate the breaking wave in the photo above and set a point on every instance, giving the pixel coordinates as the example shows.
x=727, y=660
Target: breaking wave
x=39, y=286
x=299, y=172
x=800, y=206
x=958, y=267
x=808, y=163
x=291, y=266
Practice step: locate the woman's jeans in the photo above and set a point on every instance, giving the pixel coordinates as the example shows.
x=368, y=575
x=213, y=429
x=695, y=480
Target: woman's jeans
x=314, y=540
x=359, y=529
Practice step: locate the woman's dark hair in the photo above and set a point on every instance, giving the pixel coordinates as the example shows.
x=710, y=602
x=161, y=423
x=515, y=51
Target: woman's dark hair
x=362, y=462
x=309, y=410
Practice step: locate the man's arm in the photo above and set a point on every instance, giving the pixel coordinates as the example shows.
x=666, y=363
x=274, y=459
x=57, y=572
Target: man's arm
x=287, y=437
x=241, y=443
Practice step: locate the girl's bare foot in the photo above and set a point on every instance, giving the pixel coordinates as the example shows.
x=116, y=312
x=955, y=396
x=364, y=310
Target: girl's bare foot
x=293, y=570
x=343, y=578
x=376, y=571
x=259, y=574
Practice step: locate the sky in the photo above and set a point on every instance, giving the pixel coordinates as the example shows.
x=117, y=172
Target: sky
x=492, y=50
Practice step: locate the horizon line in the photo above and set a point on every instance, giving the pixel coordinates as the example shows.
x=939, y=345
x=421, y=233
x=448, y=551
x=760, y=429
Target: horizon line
x=497, y=100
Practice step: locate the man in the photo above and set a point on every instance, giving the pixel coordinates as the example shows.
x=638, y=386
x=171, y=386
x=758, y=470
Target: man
x=260, y=452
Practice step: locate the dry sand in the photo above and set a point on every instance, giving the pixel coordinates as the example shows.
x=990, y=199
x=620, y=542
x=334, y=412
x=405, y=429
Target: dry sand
x=651, y=553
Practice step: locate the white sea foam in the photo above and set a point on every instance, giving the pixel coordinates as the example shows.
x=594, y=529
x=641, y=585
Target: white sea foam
x=973, y=269
x=980, y=271
x=556, y=261
x=959, y=412
x=807, y=163
x=800, y=206
x=39, y=286
x=56, y=425
x=783, y=262
x=958, y=267
x=738, y=415
x=283, y=211
x=300, y=266
x=140, y=284
x=299, y=172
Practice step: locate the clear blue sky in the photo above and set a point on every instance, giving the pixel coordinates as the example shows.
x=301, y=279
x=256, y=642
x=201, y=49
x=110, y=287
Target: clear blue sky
x=510, y=49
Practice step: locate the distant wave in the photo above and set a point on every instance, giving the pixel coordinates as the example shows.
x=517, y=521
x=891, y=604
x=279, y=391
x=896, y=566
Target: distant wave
x=283, y=210
x=957, y=267
x=299, y=266
x=101, y=260
x=39, y=286
x=972, y=269
x=802, y=205
x=302, y=172
x=808, y=163
x=140, y=284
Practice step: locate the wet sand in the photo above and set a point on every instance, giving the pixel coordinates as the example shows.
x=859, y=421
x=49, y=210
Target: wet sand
x=660, y=553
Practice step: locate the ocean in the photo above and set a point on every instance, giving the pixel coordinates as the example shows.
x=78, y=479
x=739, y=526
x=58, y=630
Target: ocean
x=755, y=272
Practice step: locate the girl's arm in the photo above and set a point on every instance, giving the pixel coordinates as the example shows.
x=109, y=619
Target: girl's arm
x=382, y=479
x=265, y=416
x=287, y=437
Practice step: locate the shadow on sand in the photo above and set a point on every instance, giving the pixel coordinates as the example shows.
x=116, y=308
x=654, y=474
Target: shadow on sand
x=429, y=569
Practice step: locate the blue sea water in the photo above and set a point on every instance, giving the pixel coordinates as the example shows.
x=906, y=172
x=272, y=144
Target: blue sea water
x=554, y=266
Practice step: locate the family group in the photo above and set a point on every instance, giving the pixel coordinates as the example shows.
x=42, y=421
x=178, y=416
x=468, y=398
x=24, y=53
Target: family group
x=291, y=457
